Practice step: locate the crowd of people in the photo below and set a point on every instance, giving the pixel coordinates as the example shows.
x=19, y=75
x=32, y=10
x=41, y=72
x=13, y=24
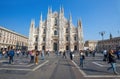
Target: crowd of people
x=108, y=56
x=33, y=54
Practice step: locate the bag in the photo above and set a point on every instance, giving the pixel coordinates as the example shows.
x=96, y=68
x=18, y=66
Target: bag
x=73, y=55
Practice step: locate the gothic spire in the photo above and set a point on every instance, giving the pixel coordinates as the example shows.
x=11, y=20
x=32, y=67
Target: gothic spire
x=40, y=23
x=79, y=23
x=62, y=10
x=32, y=23
x=49, y=10
x=41, y=17
x=70, y=18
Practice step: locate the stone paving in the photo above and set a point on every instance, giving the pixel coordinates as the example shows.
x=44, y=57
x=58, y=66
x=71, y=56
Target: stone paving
x=53, y=67
x=96, y=67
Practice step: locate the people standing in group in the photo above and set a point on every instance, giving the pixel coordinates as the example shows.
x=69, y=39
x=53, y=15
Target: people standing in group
x=112, y=61
x=11, y=55
x=82, y=58
x=32, y=54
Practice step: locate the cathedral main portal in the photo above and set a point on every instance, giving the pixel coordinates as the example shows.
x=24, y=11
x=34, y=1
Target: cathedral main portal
x=55, y=46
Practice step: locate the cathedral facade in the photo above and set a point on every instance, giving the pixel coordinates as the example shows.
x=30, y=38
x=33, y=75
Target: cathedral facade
x=56, y=33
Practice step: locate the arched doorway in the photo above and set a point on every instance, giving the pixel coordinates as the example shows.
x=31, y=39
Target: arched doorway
x=75, y=47
x=55, y=46
x=43, y=47
x=36, y=47
x=67, y=47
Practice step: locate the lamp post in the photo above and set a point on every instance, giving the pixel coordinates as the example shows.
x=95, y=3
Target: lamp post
x=102, y=34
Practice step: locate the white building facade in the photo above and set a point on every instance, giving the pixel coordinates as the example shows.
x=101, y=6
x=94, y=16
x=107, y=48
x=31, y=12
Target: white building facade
x=9, y=38
x=56, y=33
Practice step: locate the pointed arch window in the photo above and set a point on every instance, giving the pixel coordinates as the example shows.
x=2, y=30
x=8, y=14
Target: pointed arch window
x=75, y=38
x=66, y=30
x=55, y=32
x=44, y=31
x=67, y=38
x=36, y=39
x=55, y=21
x=43, y=38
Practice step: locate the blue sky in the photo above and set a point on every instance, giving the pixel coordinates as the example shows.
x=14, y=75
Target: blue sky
x=96, y=15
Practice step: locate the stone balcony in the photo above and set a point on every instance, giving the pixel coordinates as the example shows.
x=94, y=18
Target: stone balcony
x=55, y=37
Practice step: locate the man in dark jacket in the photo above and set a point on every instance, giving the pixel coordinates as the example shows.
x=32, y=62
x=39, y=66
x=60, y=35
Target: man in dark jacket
x=11, y=55
x=71, y=53
x=112, y=61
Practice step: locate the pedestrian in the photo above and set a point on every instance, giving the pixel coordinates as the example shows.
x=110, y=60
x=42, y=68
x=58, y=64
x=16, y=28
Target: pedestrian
x=42, y=54
x=32, y=54
x=48, y=52
x=18, y=52
x=11, y=55
x=118, y=54
x=105, y=55
x=94, y=52
x=71, y=57
x=36, y=57
x=112, y=61
x=82, y=57
x=86, y=53
x=0, y=53
x=64, y=54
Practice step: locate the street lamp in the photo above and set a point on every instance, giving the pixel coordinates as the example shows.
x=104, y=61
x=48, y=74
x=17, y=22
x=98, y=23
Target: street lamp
x=102, y=34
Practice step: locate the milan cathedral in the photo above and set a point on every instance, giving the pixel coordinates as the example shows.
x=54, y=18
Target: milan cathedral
x=56, y=33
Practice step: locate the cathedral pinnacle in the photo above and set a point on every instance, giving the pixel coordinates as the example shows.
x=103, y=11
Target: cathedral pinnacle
x=49, y=10
x=70, y=17
x=61, y=10
x=41, y=17
x=32, y=23
x=79, y=23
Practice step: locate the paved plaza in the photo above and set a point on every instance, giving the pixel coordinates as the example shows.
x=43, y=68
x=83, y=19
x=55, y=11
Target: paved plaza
x=57, y=67
x=95, y=67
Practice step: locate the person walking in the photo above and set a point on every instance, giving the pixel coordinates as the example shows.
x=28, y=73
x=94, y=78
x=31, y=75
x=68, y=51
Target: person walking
x=36, y=57
x=118, y=54
x=112, y=61
x=42, y=55
x=82, y=57
x=105, y=55
x=32, y=54
x=64, y=54
x=11, y=55
x=71, y=55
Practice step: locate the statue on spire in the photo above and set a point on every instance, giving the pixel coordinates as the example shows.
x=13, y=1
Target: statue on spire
x=79, y=23
x=41, y=17
x=70, y=17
